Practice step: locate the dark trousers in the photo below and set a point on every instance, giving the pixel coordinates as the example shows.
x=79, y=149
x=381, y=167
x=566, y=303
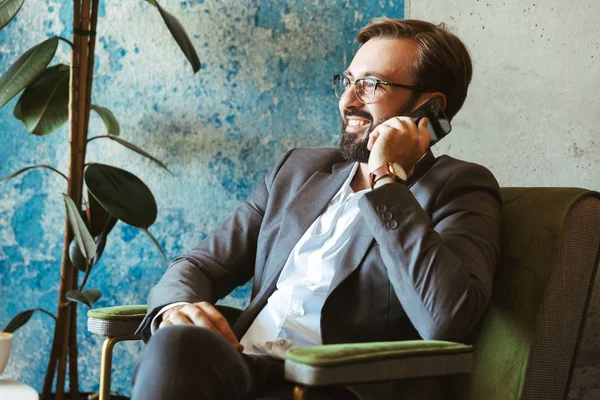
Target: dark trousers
x=187, y=362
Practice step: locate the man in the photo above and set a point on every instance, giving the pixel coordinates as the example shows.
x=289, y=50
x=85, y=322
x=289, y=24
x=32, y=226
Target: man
x=338, y=254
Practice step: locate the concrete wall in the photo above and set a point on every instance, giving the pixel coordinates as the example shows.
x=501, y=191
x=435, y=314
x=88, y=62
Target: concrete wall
x=532, y=111
x=265, y=87
x=532, y=115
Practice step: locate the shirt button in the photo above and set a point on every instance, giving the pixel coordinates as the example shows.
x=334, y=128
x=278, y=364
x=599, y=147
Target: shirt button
x=281, y=342
x=392, y=224
x=386, y=216
x=381, y=207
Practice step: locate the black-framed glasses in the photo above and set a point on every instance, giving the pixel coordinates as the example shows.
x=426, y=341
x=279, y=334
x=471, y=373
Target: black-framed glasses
x=365, y=88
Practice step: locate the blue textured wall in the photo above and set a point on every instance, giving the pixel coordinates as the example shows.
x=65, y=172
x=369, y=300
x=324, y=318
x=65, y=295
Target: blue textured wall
x=264, y=87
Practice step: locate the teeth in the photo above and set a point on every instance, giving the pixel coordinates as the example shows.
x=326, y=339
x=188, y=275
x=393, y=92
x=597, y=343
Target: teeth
x=357, y=122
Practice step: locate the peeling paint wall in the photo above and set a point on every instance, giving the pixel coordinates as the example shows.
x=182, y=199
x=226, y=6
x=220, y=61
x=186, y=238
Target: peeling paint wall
x=265, y=86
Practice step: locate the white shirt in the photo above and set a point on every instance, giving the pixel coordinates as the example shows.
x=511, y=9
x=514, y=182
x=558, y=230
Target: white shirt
x=292, y=315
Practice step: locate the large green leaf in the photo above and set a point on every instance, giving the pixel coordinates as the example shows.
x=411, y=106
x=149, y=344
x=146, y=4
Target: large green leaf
x=133, y=147
x=122, y=194
x=99, y=216
x=93, y=295
x=87, y=297
x=8, y=9
x=180, y=36
x=44, y=106
x=22, y=318
x=109, y=119
x=27, y=68
x=77, y=258
x=84, y=239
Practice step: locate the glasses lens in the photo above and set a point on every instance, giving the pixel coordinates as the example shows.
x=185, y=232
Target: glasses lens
x=365, y=89
x=340, y=84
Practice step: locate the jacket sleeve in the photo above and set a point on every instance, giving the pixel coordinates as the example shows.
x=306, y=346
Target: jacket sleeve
x=441, y=262
x=220, y=263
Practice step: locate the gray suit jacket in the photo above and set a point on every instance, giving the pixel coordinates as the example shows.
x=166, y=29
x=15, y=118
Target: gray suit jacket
x=422, y=267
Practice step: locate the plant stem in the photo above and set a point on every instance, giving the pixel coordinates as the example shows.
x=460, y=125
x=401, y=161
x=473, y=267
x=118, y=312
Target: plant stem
x=66, y=41
x=89, y=75
x=77, y=160
x=77, y=156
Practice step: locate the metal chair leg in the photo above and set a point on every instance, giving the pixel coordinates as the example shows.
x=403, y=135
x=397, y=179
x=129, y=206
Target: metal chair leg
x=299, y=392
x=106, y=363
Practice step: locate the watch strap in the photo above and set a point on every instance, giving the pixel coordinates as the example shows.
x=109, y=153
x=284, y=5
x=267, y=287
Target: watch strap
x=386, y=169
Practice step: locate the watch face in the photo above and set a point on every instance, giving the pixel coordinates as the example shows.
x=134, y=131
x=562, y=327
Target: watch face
x=399, y=171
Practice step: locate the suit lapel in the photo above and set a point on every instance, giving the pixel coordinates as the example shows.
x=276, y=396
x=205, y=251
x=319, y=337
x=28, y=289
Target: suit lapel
x=310, y=201
x=302, y=211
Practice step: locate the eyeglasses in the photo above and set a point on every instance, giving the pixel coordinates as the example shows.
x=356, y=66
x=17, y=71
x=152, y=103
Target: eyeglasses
x=365, y=88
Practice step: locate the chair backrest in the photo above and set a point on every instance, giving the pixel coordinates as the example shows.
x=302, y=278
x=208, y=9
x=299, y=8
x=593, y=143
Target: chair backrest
x=529, y=336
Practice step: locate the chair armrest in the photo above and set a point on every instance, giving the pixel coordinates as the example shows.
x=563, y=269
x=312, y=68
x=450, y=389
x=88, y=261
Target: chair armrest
x=378, y=361
x=124, y=320
x=116, y=321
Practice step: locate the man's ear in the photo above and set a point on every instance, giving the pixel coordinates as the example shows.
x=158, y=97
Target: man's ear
x=441, y=97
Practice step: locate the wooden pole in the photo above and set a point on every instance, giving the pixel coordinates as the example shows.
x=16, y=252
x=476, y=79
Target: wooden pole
x=73, y=351
x=68, y=276
x=77, y=160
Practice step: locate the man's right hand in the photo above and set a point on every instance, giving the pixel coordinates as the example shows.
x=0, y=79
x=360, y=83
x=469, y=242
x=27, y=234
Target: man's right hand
x=201, y=314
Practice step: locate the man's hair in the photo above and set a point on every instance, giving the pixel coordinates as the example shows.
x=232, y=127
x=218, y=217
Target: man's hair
x=443, y=62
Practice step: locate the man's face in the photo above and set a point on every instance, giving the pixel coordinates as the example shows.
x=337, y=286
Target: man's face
x=387, y=60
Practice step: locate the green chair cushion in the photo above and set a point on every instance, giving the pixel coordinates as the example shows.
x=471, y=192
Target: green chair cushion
x=118, y=313
x=372, y=362
x=336, y=354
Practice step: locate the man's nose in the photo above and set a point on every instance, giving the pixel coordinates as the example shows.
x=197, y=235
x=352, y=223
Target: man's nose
x=349, y=99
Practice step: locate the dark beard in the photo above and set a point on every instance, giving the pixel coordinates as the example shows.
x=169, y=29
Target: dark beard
x=352, y=147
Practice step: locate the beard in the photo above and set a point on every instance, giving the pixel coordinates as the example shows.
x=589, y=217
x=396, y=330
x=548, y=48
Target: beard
x=353, y=145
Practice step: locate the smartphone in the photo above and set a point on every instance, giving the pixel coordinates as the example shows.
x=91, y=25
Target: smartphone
x=439, y=125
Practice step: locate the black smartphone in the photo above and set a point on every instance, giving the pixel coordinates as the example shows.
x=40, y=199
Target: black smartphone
x=439, y=125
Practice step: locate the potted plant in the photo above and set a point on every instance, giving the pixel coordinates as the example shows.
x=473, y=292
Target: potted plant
x=50, y=97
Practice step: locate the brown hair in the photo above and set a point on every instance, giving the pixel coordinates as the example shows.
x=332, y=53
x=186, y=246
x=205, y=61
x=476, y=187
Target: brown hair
x=443, y=63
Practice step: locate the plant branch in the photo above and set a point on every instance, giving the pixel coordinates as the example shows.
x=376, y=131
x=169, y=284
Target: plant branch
x=67, y=41
x=47, y=313
x=88, y=268
x=98, y=137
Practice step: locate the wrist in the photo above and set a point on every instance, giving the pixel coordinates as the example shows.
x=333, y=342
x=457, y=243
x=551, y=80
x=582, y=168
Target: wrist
x=387, y=173
x=384, y=181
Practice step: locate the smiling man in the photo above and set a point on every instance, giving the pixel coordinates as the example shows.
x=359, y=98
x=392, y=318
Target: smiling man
x=375, y=241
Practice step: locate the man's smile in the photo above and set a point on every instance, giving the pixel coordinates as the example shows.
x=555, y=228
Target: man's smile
x=357, y=122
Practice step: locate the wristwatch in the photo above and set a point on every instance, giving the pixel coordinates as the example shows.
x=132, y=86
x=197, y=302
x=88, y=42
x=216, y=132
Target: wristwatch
x=388, y=169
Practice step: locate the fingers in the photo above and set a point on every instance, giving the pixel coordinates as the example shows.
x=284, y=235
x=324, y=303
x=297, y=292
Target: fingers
x=220, y=323
x=424, y=136
x=204, y=315
x=381, y=129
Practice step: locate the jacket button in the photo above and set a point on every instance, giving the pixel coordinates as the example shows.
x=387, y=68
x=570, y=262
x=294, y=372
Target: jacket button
x=386, y=216
x=392, y=224
x=381, y=207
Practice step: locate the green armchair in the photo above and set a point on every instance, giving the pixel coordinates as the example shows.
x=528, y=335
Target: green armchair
x=528, y=340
